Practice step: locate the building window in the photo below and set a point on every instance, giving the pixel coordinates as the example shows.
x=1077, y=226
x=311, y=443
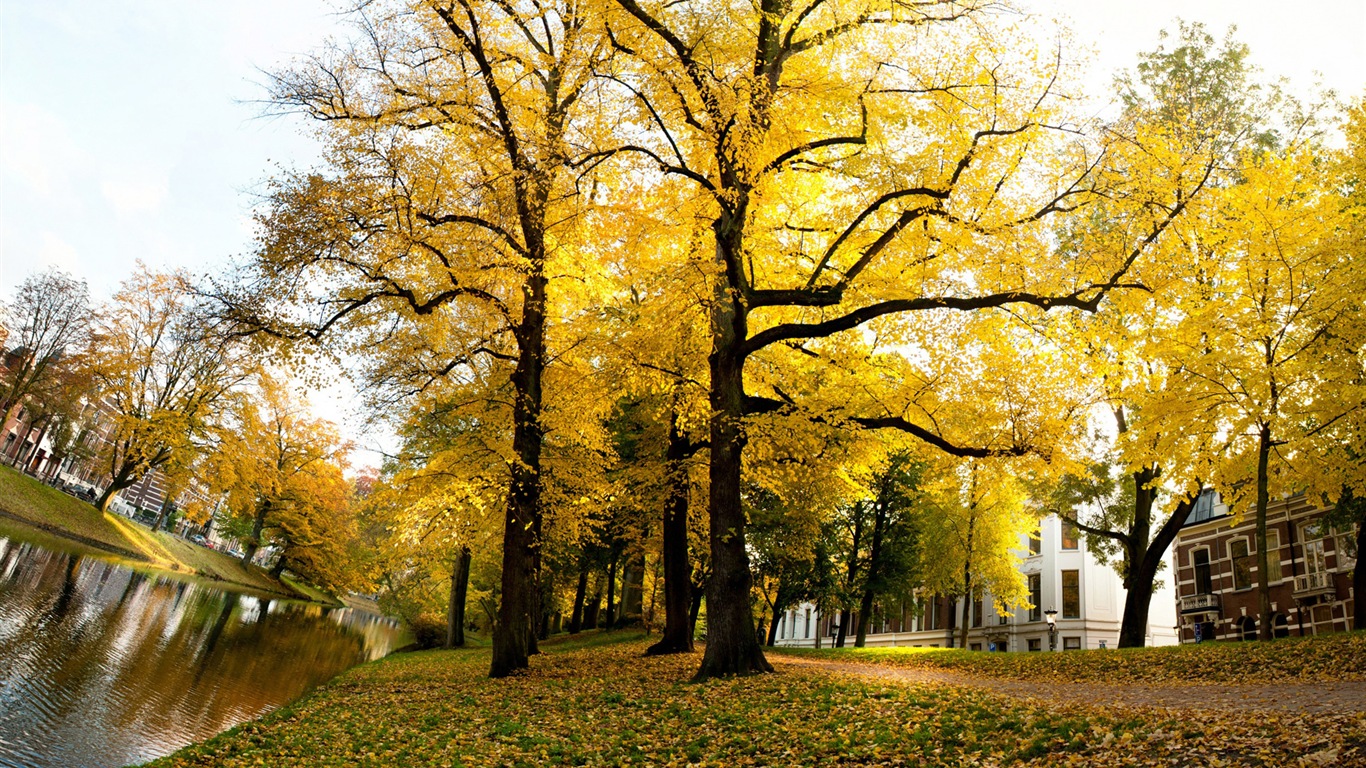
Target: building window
x=934, y=613
x=1036, y=644
x=975, y=647
x=807, y=631
x=1247, y=628
x=1345, y=545
x=1242, y=563
x=1071, y=643
x=1036, y=542
x=977, y=613
x=1204, y=585
x=1315, y=561
x=1069, y=535
x=1035, y=597
x=1071, y=594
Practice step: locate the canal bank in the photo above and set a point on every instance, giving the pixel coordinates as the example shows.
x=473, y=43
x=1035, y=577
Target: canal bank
x=102, y=665
x=34, y=512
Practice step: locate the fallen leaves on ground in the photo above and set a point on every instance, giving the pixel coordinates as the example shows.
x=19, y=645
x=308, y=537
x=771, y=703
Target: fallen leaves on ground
x=1339, y=656
x=610, y=705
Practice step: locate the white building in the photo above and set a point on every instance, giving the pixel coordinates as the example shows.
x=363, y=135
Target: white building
x=1062, y=576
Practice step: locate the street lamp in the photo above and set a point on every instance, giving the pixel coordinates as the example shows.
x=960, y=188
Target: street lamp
x=1052, y=617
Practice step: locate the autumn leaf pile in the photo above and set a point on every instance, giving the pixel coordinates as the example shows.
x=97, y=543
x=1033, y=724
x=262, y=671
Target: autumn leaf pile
x=610, y=705
x=1332, y=657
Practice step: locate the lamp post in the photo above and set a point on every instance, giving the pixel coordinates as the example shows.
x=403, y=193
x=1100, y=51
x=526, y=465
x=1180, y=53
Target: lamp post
x=1052, y=617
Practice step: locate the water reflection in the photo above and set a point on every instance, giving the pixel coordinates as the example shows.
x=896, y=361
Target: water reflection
x=103, y=666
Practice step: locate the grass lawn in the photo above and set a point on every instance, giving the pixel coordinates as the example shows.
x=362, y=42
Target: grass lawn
x=600, y=702
x=1330, y=657
x=48, y=517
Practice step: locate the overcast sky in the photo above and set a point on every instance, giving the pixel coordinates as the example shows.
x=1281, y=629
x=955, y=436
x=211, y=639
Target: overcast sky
x=128, y=129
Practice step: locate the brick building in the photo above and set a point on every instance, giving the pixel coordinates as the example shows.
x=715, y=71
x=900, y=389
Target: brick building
x=1310, y=566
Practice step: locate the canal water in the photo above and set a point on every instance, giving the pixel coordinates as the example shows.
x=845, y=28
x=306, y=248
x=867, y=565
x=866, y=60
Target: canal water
x=101, y=665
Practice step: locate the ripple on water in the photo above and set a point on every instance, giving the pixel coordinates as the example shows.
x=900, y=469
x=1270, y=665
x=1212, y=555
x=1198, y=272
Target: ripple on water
x=102, y=666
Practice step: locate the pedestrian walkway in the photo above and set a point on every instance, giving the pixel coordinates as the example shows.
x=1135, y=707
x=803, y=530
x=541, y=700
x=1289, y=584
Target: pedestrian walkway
x=1309, y=698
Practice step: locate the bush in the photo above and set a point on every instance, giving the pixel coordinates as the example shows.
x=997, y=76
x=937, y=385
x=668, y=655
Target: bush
x=429, y=631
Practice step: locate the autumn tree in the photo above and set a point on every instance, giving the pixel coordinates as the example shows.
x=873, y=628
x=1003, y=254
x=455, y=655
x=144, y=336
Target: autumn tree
x=1196, y=93
x=971, y=527
x=843, y=182
x=447, y=206
x=48, y=322
x=280, y=471
x=1266, y=359
x=162, y=366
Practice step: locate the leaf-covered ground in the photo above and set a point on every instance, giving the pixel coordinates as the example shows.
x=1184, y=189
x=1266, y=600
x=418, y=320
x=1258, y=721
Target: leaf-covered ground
x=1328, y=657
x=609, y=705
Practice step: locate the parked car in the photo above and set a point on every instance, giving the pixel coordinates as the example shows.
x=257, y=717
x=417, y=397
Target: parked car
x=200, y=540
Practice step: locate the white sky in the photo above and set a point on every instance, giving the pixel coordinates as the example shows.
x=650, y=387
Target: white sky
x=128, y=129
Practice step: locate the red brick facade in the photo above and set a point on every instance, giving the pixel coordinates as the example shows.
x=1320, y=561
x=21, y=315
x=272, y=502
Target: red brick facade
x=1216, y=573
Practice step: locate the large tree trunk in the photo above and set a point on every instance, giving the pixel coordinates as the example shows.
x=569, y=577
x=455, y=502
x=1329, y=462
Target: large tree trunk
x=732, y=645
x=124, y=478
x=513, y=633
x=699, y=591
x=633, y=589
x=580, y=594
x=611, y=622
x=967, y=575
x=677, y=636
x=1143, y=565
x=544, y=593
x=258, y=524
x=1264, y=631
x=780, y=602
x=871, y=581
x=455, y=611
x=278, y=569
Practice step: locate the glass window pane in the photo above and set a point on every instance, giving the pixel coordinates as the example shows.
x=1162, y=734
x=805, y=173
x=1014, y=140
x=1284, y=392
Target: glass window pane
x=1071, y=595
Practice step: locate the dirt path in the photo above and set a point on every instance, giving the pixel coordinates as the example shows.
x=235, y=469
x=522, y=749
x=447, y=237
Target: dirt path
x=1313, y=698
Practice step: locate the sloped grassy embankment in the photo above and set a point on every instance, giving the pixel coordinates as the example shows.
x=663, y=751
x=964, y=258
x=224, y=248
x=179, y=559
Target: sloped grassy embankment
x=32, y=511
x=609, y=705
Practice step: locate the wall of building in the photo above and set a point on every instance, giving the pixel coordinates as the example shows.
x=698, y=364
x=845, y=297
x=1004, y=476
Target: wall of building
x=1229, y=608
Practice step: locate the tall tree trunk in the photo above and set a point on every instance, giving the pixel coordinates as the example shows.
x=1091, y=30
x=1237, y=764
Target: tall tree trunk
x=258, y=524
x=1264, y=631
x=544, y=594
x=780, y=603
x=677, y=637
x=967, y=572
x=633, y=589
x=580, y=594
x=871, y=582
x=611, y=622
x=512, y=634
x=592, y=609
x=1143, y=565
x=850, y=576
x=122, y=479
x=699, y=591
x=278, y=569
x=732, y=646
x=455, y=611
